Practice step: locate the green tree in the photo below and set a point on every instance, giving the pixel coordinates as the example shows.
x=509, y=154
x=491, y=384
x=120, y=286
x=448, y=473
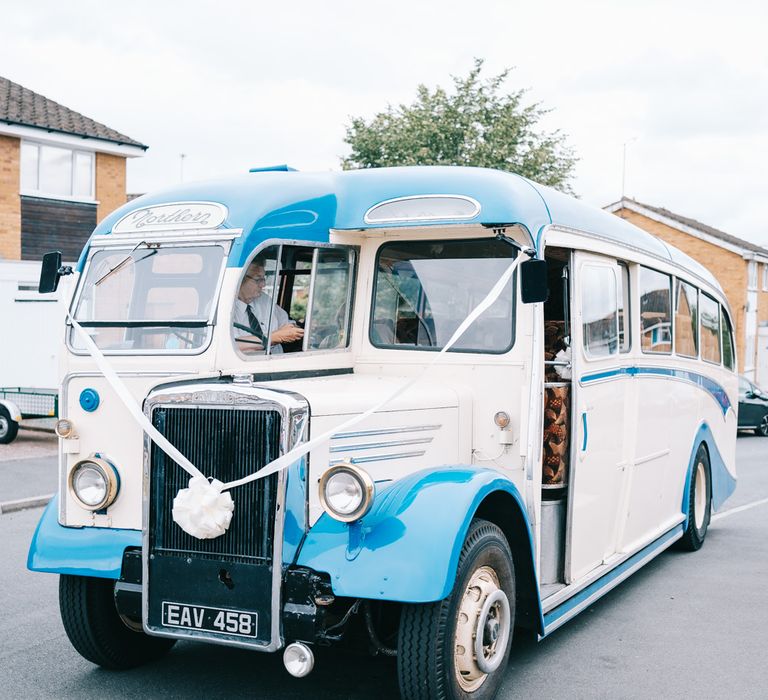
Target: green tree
x=477, y=124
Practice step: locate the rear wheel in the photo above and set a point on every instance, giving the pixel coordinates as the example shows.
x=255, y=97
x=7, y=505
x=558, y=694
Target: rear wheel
x=699, y=503
x=458, y=648
x=9, y=428
x=98, y=632
x=762, y=429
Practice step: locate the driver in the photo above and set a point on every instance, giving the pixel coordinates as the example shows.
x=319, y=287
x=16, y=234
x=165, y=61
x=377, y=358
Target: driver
x=252, y=313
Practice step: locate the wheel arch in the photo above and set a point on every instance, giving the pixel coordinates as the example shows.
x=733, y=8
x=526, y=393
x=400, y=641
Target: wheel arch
x=502, y=509
x=722, y=482
x=406, y=549
x=12, y=409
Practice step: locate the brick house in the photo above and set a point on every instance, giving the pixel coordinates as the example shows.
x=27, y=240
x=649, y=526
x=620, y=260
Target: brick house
x=60, y=173
x=740, y=266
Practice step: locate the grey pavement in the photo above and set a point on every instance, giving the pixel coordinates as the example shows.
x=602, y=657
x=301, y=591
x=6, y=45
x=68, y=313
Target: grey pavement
x=28, y=466
x=25, y=478
x=688, y=625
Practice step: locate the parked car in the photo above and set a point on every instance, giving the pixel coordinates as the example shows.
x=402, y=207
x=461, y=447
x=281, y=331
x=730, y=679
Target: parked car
x=753, y=407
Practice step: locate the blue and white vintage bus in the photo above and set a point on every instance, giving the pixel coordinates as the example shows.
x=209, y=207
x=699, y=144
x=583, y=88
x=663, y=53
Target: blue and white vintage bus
x=413, y=409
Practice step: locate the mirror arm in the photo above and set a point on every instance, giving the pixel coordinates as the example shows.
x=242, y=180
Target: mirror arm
x=64, y=270
x=501, y=236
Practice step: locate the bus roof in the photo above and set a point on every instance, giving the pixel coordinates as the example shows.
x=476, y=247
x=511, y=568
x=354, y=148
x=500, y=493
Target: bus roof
x=288, y=204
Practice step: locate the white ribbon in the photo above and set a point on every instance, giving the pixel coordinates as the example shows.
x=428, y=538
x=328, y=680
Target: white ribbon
x=204, y=509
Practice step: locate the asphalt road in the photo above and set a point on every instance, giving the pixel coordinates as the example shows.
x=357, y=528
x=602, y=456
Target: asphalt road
x=686, y=625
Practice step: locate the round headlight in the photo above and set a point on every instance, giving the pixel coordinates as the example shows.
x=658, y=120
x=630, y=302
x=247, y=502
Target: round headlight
x=94, y=483
x=346, y=492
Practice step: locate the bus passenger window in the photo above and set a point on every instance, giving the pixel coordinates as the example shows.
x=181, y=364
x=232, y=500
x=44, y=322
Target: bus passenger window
x=599, y=302
x=686, y=320
x=726, y=333
x=710, y=329
x=655, y=311
x=624, y=324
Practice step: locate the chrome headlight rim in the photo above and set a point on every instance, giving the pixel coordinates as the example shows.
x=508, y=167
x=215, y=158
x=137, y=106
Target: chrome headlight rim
x=110, y=475
x=366, y=486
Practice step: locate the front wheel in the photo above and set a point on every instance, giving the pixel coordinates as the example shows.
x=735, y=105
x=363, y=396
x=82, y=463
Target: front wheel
x=96, y=629
x=9, y=428
x=458, y=648
x=699, y=503
x=762, y=429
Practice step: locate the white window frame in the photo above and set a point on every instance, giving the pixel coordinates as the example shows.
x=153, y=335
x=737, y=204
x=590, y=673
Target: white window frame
x=765, y=277
x=91, y=199
x=752, y=275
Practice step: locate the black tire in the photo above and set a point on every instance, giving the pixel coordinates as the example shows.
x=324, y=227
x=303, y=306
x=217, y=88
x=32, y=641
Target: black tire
x=701, y=478
x=9, y=428
x=426, y=662
x=97, y=631
x=762, y=429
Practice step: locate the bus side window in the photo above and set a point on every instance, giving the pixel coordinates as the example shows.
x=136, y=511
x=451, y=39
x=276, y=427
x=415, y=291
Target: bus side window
x=625, y=327
x=655, y=311
x=686, y=320
x=599, y=304
x=726, y=332
x=710, y=329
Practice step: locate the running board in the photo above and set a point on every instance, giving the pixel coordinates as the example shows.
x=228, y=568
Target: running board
x=597, y=589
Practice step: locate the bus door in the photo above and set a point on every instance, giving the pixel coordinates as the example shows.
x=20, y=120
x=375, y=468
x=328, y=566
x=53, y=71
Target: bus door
x=599, y=414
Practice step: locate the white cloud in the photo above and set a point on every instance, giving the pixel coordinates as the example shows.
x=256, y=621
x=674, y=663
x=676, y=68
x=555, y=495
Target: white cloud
x=237, y=84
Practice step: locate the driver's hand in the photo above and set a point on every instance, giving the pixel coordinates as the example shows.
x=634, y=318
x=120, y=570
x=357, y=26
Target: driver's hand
x=287, y=334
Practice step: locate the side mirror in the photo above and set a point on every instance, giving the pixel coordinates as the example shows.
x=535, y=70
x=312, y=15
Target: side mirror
x=533, y=281
x=51, y=271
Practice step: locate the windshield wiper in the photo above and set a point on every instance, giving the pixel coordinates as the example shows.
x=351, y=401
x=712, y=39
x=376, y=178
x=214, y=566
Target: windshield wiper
x=184, y=323
x=123, y=262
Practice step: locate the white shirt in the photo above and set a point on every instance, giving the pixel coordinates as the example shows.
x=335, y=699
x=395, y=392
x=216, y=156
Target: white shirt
x=261, y=307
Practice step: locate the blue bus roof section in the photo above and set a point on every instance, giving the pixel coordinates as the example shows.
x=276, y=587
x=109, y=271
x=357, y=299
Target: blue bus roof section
x=278, y=202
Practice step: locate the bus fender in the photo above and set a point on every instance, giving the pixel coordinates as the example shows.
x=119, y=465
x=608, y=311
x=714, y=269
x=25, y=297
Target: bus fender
x=80, y=551
x=406, y=548
x=12, y=409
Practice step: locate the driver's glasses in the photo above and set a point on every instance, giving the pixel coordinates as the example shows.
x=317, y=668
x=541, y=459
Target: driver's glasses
x=258, y=280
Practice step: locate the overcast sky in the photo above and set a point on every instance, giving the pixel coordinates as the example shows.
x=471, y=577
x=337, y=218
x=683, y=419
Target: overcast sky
x=237, y=84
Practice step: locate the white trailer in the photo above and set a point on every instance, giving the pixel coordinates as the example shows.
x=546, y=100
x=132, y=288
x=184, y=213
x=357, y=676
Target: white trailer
x=29, y=344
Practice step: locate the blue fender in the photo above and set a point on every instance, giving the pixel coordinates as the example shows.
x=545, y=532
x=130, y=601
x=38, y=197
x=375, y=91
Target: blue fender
x=723, y=484
x=80, y=551
x=406, y=548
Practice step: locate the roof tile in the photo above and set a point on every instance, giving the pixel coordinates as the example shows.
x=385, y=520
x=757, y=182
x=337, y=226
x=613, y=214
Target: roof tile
x=19, y=105
x=715, y=233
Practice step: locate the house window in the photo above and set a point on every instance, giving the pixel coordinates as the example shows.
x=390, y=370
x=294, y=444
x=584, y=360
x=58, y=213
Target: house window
x=752, y=275
x=54, y=171
x=765, y=278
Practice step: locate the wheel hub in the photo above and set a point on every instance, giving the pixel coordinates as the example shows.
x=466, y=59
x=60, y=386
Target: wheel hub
x=3, y=426
x=700, y=496
x=482, y=629
x=491, y=632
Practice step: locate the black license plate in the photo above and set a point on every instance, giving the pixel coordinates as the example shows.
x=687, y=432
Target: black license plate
x=240, y=623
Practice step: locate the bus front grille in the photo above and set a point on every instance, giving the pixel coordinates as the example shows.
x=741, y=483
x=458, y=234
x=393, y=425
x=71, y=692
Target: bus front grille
x=225, y=444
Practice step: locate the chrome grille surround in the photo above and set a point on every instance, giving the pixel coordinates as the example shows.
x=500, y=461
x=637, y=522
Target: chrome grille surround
x=294, y=412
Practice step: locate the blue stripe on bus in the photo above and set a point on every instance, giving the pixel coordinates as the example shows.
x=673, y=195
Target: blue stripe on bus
x=584, y=422
x=608, y=581
x=716, y=391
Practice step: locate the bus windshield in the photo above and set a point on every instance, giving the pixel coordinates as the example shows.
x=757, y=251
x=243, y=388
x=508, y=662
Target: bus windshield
x=150, y=298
